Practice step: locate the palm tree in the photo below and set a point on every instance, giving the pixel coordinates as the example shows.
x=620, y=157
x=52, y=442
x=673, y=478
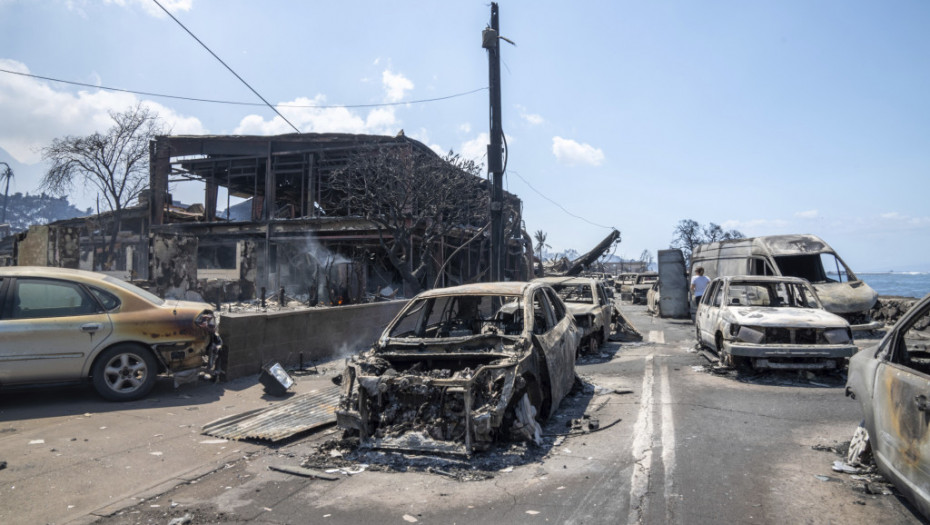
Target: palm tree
x=540, y=237
x=6, y=174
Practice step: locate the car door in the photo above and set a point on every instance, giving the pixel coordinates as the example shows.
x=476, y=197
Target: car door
x=48, y=329
x=901, y=402
x=604, y=311
x=558, y=340
x=707, y=311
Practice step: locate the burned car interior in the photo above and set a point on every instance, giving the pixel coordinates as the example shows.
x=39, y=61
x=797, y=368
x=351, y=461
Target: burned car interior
x=455, y=372
x=912, y=348
x=771, y=294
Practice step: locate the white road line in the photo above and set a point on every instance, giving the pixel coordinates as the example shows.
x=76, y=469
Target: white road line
x=668, y=447
x=642, y=449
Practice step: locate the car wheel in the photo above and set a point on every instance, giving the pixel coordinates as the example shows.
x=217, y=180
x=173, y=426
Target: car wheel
x=124, y=373
x=593, y=345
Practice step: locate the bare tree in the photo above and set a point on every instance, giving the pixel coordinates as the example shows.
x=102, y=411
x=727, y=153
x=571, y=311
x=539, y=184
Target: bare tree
x=689, y=233
x=713, y=232
x=687, y=236
x=646, y=259
x=114, y=162
x=414, y=199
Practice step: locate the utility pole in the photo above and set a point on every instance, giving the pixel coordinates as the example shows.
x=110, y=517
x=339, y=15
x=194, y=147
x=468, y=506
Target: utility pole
x=490, y=40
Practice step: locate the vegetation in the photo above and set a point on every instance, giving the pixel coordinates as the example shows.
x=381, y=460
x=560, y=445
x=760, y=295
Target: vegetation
x=115, y=162
x=690, y=233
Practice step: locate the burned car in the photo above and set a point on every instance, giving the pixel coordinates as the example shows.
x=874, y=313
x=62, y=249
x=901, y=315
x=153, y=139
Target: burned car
x=624, y=285
x=462, y=367
x=644, y=282
x=59, y=326
x=891, y=382
x=589, y=304
x=652, y=299
x=771, y=322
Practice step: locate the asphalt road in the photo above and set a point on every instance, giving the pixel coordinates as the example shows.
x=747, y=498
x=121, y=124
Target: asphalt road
x=677, y=443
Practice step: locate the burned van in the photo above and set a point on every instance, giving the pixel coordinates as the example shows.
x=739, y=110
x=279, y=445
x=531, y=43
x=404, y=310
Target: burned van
x=805, y=256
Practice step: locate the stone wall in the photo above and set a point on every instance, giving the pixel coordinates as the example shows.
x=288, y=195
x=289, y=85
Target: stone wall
x=253, y=339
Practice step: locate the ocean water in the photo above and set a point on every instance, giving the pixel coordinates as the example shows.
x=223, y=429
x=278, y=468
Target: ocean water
x=905, y=284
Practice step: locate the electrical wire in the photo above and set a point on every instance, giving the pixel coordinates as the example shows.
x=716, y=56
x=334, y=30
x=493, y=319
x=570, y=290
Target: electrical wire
x=579, y=217
x=240, y=103
x=227, y=66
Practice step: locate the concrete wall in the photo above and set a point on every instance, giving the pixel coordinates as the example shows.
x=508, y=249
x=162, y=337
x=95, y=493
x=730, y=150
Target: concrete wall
x=253, y=339
x=33, y=250
x=673, y=285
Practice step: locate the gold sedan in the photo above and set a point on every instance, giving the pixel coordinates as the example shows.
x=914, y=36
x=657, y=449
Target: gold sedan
x=59, y=325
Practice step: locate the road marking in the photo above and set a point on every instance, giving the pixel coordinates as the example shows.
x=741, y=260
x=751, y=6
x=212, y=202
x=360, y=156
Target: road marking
x=668, y=447
x=642, y=448
x=655, y=336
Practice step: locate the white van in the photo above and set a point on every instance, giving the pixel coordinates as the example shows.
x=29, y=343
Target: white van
x=806, y=256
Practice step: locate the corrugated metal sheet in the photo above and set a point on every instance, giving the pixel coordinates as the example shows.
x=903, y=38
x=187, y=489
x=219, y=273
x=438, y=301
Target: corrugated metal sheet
x=280, y=421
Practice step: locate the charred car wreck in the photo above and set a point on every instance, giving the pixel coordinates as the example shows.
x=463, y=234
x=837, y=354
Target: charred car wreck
x=462, y=367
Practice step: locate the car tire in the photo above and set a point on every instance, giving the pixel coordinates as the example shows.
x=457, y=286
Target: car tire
x=124, y=372
x=593, y=345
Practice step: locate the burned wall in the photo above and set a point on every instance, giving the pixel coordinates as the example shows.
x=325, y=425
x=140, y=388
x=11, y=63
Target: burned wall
x=173, y=264
x=32, y=248
x=253, y=339
x=65, y=247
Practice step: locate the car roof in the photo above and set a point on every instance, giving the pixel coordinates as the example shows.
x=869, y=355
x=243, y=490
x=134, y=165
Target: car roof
x=763, y=278
x=496, y=288
x=567, y=280
x=51, y=271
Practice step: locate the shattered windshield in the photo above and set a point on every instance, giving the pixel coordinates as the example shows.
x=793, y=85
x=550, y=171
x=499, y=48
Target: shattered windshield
x=460, y=316
x=787, y=295
x=575, y=293
x=648, y=279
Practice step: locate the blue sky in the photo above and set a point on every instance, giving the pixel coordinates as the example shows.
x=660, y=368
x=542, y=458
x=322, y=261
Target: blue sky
x=767, y=117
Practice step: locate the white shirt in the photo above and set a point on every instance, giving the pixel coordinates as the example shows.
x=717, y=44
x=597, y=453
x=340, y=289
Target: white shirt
x=700, y=282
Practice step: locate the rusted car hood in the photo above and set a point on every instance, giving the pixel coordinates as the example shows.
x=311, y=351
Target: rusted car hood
x=786, y=317
x=845, y=298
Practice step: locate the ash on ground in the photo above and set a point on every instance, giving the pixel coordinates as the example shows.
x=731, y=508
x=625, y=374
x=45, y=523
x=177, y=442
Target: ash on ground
x=576, y=417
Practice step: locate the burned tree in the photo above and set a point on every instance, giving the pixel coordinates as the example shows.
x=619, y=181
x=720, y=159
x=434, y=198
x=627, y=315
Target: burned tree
x=114, y=162
x=690, y=233
x=414, y=200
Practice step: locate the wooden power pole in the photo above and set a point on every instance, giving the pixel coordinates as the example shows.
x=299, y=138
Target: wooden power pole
x=490, y=39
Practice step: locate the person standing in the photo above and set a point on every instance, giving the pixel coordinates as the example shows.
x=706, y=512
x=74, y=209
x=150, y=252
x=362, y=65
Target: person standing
x=698, y=284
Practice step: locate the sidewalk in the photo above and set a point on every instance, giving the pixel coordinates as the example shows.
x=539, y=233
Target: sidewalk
x=72, y=457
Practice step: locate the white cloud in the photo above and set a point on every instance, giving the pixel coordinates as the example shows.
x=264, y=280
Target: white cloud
x=379, y=121
x=905, y=219
x=477, y=148
x=809, y=214
x=749, y=227
x=465, y=128
x=149, y=7
x=35, y=112
x=569, y=152
x=396, y=85
x=531, y=118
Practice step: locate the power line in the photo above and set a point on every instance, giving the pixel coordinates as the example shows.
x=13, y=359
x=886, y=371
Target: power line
x=560, y=206
x=227, y=66
x=240, y=103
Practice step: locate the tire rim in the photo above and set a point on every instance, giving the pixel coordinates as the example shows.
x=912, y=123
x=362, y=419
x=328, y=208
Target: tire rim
x=125, y=373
